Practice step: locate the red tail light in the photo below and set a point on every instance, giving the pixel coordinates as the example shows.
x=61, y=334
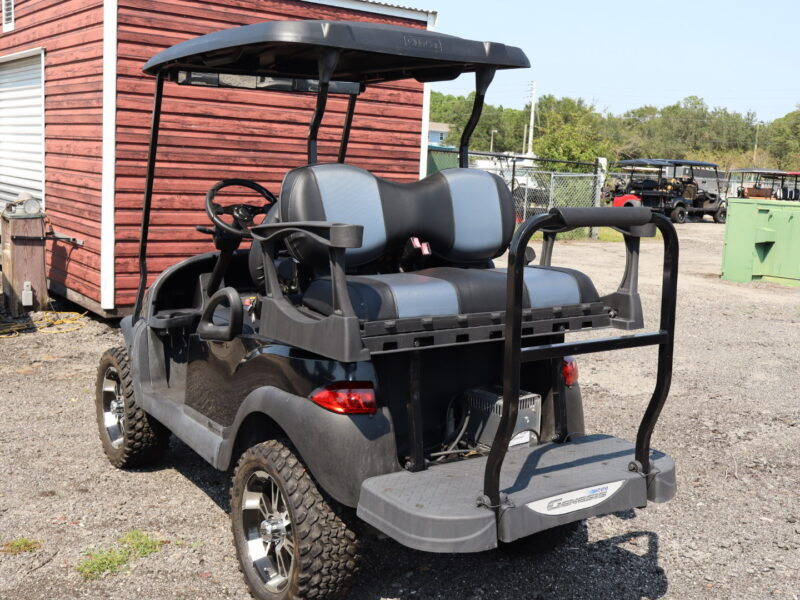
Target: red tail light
x=347, y=397
x=569, y=367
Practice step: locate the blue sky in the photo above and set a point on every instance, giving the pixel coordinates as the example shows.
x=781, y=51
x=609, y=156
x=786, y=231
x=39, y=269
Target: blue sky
x=742, y=55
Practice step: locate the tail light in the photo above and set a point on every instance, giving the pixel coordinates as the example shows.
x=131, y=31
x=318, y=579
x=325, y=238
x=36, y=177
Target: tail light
x=569, y=368
x=347, y=397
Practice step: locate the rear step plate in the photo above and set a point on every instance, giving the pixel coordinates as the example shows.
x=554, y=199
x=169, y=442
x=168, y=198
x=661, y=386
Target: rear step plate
x=438, y=510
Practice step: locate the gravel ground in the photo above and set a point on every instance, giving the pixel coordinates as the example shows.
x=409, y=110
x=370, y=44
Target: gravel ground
x=731, y=423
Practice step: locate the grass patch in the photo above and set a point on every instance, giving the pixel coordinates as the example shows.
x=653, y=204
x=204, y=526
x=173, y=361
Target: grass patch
x=20, y=545
x=139, y=544
x=135, y=544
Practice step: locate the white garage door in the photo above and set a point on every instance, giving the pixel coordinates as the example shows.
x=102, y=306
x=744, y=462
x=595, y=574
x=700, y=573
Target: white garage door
x=21, y=128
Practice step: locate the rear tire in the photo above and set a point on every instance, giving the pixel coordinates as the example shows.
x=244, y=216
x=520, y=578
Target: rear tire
x=130, y=437
x=721, y=215
x=678, y=214
x=292, y=542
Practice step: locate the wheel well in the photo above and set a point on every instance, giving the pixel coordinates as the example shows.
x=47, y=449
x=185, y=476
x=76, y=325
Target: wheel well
x=256, y=428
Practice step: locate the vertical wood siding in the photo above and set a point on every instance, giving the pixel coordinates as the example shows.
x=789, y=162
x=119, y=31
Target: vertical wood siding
x=71, y=33
x=208, y=135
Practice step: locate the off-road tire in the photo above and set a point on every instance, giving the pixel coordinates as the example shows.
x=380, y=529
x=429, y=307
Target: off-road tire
x=326, y=547
x=721, y=214
x=678, y=214
x=142, y=440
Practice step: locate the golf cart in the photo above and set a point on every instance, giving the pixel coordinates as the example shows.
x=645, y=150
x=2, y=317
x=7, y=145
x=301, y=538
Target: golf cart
x=348, y=375
x=678, y=188
x=764, y=183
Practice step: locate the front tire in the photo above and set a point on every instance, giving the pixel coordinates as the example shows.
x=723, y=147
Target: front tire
x=130, y=437
x=292, y=542
x=721, y=215
x=678, y=214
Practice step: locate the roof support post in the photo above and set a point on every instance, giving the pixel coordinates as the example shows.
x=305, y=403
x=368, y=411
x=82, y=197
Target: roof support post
x=148, y=194
x=327, y=64
x=348, y=123
x=483, y=77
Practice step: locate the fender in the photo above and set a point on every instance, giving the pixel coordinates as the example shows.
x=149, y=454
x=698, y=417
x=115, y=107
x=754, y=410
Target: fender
x=341, y=451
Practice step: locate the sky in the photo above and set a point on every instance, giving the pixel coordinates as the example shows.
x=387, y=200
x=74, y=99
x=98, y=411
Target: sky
x=618, y=55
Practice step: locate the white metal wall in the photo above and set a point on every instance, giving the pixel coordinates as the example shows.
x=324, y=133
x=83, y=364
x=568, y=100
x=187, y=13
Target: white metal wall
x=21, y=128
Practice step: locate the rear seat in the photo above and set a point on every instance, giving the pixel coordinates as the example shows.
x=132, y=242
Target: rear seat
x=467, y=217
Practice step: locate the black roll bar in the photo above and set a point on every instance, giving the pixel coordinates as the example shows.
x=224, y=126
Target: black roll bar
x=148, y=194
x=560, y=220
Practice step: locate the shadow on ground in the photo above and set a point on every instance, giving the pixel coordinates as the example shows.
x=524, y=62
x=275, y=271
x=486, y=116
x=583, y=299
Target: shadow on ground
x=622, y=567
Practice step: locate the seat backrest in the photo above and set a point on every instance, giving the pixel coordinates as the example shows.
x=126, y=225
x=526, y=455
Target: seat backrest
x=466, y=215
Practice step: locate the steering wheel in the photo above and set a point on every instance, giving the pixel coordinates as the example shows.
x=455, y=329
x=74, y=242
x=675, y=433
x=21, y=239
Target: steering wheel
x=243, y=214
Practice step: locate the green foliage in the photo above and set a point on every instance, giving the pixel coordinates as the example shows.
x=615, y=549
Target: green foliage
x=571, y=129
x=20, y=545
x=783, y=137
x=135, y=544
x=103, y=561
x=139, y=544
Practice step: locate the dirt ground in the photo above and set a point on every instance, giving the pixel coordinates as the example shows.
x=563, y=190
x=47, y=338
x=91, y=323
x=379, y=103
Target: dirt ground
x=731, y=424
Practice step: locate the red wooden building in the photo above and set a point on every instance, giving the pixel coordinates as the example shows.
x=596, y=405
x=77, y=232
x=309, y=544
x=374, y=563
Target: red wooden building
x=75, y=115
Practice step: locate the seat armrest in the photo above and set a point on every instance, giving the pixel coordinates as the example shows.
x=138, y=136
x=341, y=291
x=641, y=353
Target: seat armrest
x=337, y=237
x=332, y=235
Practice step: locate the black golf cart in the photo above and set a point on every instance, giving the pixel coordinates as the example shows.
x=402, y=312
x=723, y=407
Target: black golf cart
x=345, y=372
x=678, y=188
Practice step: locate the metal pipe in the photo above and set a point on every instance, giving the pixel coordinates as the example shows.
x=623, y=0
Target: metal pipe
x=483, y=77
x=326, y=66
x=514, y=355
x=148, y=194
x=511, y=354
x=669, y=291
x=348, y=122
x=316, y=121
x=416, y=458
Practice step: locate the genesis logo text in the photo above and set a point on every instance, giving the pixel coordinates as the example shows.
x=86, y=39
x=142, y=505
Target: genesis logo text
x=412, y=41
x=572, y=501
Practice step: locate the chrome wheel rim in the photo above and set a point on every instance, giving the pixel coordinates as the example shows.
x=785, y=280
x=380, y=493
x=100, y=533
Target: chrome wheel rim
x=113, y=407
x=269, y=537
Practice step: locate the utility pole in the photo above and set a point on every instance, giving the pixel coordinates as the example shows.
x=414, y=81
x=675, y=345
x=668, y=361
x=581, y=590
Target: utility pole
x=755, y=147
x=533, y=112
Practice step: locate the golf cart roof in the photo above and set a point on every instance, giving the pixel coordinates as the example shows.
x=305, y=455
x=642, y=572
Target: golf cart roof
x=762, y=172
x=644, y=162
x=367, y=52
x=679, y=162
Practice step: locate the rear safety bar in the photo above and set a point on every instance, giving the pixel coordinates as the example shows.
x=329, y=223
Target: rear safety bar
x=559, y=220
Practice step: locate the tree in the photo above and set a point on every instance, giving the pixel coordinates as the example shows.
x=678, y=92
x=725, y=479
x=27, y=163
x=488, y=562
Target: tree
x=783, y=140
x=571, y=129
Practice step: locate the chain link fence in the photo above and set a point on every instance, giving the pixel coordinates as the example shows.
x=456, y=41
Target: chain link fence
x=537, y=185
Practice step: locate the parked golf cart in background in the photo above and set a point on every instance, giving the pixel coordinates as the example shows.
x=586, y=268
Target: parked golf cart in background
x=675, y=187
x=764, y=183
x=346, y=371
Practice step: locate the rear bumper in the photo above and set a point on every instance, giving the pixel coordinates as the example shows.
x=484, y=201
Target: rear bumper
x=442, y=509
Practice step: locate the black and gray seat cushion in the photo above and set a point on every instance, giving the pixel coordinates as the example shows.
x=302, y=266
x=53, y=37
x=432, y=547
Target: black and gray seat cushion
x=449, y=291
x=466, y=215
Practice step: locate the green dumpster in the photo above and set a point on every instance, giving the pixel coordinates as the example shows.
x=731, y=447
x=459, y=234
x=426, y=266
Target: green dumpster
x=762, y=241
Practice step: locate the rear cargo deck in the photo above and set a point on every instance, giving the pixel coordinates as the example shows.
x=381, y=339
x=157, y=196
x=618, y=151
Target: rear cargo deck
x=438, y=509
